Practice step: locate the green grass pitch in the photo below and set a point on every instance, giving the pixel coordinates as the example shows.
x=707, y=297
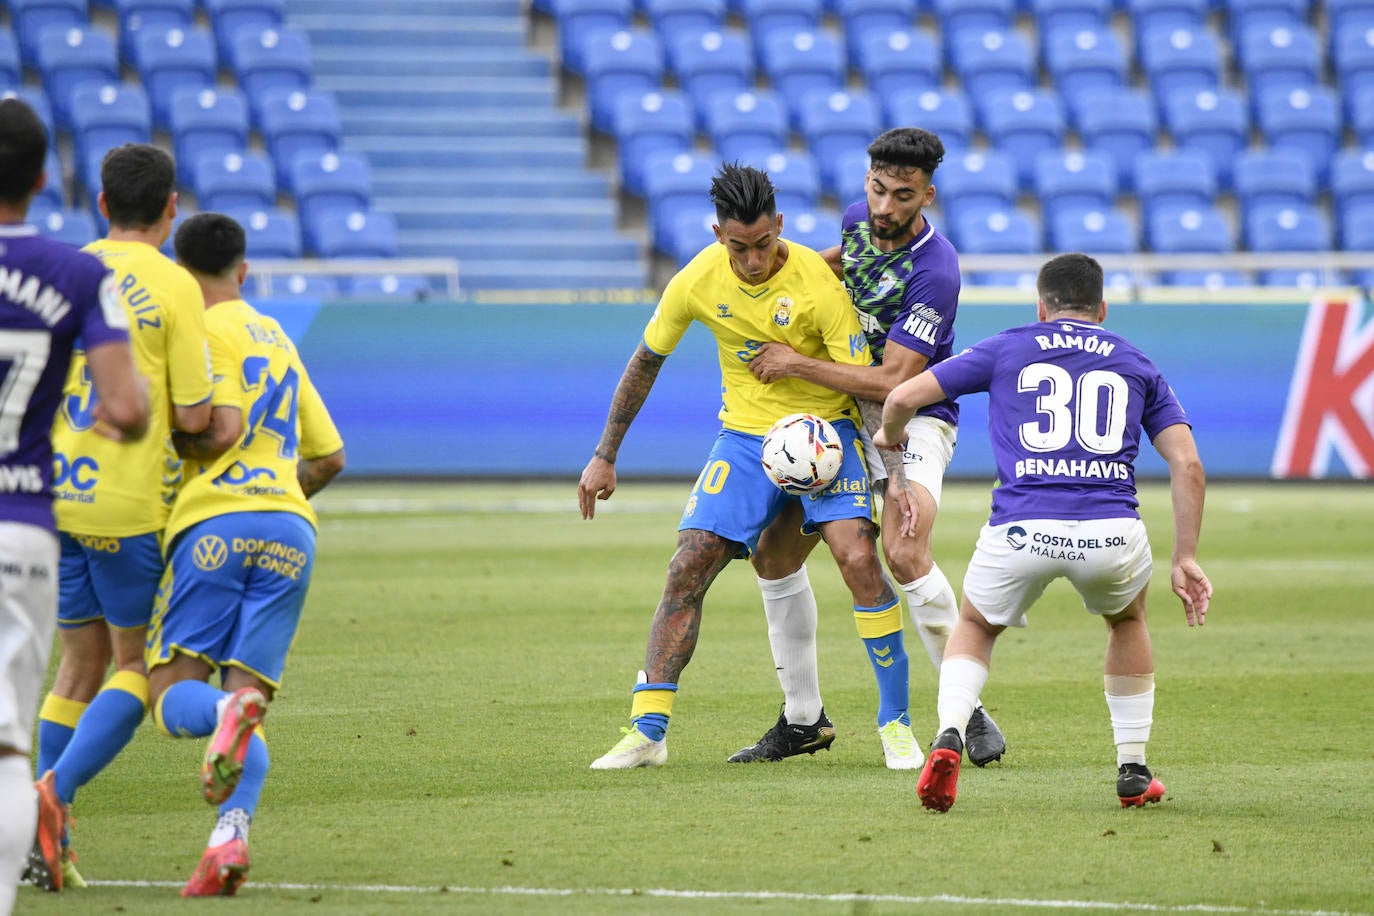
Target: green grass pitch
x=468, y=649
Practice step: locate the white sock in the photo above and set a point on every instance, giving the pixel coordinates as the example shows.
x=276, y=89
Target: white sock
x=961, y=681
x=1132, y=717
x=232, y=823
x=19, y=801
x=935, y=610
x=790, y=607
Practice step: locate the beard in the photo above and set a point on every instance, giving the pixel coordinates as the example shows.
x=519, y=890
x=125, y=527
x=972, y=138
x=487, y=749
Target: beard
x=894, y=231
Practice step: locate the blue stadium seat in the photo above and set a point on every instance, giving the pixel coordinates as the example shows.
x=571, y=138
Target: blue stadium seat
x=30, y=18
x=628, y=62
x=1009, y=231
x=53, y=194
x=1056, y=17
x=816, y=229
x=963, y=17
x=1242, y=15
x=1352, y=182
x=776, y=18
x=1120, y=123
x=352, y=234
x=230, y=17
x=138, y=17
x=275, y=59
x=1357, y=231
x=408, y=287
x=989, y=62
x=861, y=20
x=1150, y=15
x=898, y=61
x=1273, y=177
x=1074, y=181
x=1025, y=124
x=669, y=18
x=675, y=184
x=1107, y=231
x=1207, y=279
x=11, y=66
x=1279, y=57
x=1175, y=180
x=944, y=112
x=68, y=57
x=70, y=226
x=689, y=233
x=206, y=120
x=833, y=123
x=235, y=181
x=294, y=286
x=323, y=181
x=1203, y=230
x=1361, y=119
x=109, y=115
x=796, y=178
x=1343, y=16
x=709, y=64
x=1352, y=60
x=1299, y=278
x=173, y=59
x=1083, y=59
x=1288, y=228
x=580, y=20
x=293, y=121
x=1304, y=119
x=1180, y=60
x=972, y=183
x=655, y=122
x=273, y=233
x=848, y=174
x=1009, y=279
x=1213, y=121
x=801, y=63
x=754, y=120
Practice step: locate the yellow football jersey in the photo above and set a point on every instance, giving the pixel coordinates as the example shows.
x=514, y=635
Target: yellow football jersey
x=257, y=370
x=803, y=305
x=117, y=489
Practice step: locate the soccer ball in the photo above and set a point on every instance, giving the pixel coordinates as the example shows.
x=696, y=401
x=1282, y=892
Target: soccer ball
x=802, y=453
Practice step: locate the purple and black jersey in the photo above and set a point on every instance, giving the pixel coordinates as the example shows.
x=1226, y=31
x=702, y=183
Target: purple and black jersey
x=51, y=297
x=1067, y=401
x=908, y=295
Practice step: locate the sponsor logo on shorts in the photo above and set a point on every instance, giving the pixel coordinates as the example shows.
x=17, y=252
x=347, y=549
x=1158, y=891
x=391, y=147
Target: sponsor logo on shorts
x=1016, y=537
x=102, y=545
x=273, y=556
x=209, y=553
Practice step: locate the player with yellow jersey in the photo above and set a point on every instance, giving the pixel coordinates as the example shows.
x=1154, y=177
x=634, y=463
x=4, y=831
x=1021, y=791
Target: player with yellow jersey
x=750, y=288
x=112, y=498
x=240, y=546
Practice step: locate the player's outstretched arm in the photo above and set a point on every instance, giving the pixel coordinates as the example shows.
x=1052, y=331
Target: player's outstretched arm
x=832, y=258
x=1187, y=490
x=226, y=425
x=901, y=405
x=598, y=477
x=778, y=361
x=122, y=405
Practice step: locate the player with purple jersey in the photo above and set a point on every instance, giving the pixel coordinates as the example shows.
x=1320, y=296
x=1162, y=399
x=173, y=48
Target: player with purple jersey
x=51, y=295
x=902, y=276
x=1067, y=403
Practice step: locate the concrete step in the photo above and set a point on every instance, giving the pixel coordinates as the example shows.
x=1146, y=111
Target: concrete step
x=471, y=246
x=360, y=121
x=502, y=214
x=328, y=29
x=483, y=152
x=465, y=63
x=444, y=182
x=405, y=8
x=442, y=92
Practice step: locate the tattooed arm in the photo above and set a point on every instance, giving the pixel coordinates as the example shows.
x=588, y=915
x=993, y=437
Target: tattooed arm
x=598, y=478
x=314, y=474
x=226, y=425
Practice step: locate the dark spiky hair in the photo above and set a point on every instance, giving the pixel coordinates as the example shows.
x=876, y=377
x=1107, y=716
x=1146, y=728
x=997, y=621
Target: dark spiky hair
x=137, y=179
x=1070, y=283
x=210, y=244
x=742, y=193
x=904, y=148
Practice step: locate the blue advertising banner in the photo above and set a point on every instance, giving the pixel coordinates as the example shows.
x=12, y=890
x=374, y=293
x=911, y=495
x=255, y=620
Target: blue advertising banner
x=454, y=389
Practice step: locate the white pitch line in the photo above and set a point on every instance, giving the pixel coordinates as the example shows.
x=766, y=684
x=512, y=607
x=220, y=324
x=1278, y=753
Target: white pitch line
x=761, y=895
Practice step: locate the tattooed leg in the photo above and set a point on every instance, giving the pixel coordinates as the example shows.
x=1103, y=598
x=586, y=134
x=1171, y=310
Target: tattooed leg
x=699, y=558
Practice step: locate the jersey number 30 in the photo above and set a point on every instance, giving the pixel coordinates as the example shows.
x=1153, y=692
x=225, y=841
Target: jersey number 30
x=1091, y=410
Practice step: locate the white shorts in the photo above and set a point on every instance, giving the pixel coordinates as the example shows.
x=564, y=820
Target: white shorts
x=929, y=449
x=1107, y=560
x=28, y=619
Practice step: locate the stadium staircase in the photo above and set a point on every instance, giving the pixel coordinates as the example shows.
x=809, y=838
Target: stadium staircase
x=468, y=147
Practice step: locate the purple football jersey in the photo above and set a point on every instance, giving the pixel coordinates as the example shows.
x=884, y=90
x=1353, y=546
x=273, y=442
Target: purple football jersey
x=908, y=295
x=1067, y=401
x=52, y=299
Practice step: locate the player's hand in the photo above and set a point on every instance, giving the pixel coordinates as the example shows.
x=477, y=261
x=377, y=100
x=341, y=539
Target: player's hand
x=882, y=441
x=597, y=482
x=774, y=361
x=103, y=426
x=905, y=501
x=1191, y=585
